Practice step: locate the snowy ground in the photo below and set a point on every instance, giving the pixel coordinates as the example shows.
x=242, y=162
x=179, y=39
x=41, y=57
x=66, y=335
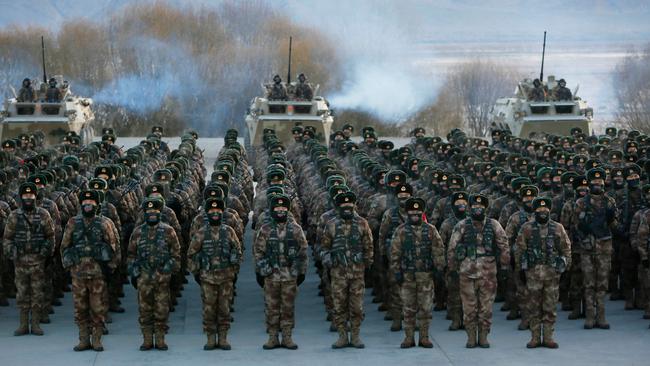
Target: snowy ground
x=626, y=343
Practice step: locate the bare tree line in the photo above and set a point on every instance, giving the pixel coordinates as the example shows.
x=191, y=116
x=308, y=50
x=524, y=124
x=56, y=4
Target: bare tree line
x=631, y=84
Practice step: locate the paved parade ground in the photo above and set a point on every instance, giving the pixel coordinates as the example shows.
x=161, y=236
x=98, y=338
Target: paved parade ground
x=627, y=343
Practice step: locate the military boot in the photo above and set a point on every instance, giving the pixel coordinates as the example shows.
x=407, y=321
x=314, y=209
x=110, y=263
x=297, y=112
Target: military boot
x=513, y=314
x=548, y=336
x=223, y=341
x=589, y=317
x=424, y=340
x=23, y=328
x=482, y=338
x=456, y=320
x=535, y=340
x=471, y=336
x=147, y=340
x=396, y=326
x=97, y=340
x=575, y=310
x=629, y=299
x=273, y=341
x=84, y=340
x=160, y=341
x=287, y=342
x=523, y=324
x=36, y=323
x=355, y=339
x=409, y=338
x=212, y=342
x=343, y=339
x=44, y=317
x=601, y=322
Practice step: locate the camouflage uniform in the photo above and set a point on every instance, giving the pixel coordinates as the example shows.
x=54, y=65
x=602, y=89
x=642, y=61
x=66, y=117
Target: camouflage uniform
x=214, y=256
x=153, y=256
x=29, y=242
x=280, y=251
x=543, y=252
x=417, y=253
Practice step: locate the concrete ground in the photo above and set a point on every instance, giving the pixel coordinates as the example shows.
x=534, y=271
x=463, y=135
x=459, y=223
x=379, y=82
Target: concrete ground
x=626, y=343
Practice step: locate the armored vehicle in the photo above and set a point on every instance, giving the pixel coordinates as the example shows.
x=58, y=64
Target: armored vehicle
x=523, y=116
x=283, y=115
x=73, y=113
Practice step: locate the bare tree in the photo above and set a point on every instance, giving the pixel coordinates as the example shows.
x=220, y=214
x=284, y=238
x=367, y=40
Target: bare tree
x=631, y=83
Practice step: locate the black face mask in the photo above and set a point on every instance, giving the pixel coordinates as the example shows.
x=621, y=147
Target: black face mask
x=460, y=211
x=557, y=187
x=152, y=218
x=279, y=216
x=346, y=213
x=528, y=206
x=618, y=184
x=596, y=188
x=415, y=219
x=542, y=217
x=214, y=218
x=88, y=211
x=28, y=204
x=478, y=213
x=633, y=183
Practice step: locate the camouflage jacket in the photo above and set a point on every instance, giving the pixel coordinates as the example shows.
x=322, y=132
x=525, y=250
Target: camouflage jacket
x=538, y=245
x=343, y=247
x=416, y=249
x=214, y=252
x=282, y=249
x=158, y=251
x=88, y=267
x=29, y=237
x=486, y=253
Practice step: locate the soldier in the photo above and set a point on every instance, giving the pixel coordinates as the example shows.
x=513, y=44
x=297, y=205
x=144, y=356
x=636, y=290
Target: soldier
x=53, y=94
x=347, y=252
x=542, y=254
x=593, y=217
x=417, y=254
x=277, y=91
x=454, y=308
x=477, y=243
x=537, y=94
x=214, y=256
x=303, y=90
x=153, y=256
x=88, y=251
x=26, y=93
x=29, y=241
x=280, y=252
x=562, y=92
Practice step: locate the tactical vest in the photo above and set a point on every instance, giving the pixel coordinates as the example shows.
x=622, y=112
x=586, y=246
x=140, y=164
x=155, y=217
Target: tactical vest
x=30, y=238
x=289, y=254
x=468, y=245
x=153, y=255
x=346, y=248
x=542, y=252
x=87, y=242
x=395, y=221
x=216, y=254
x=416, y=252
x=596, y=219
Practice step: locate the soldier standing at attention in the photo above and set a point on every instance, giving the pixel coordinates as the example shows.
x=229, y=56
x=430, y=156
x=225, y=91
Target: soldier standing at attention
x=346, y=249
x=542, y=254
x=417, y=255
x=88, y=251
x=477, y=244
x=29, y=241
x=214, y=256
x=280, y=252
x=153, y=256
x=593, y=217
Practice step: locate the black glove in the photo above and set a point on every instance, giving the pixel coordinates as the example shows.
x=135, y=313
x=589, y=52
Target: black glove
x=300, y=279
x=260, y=279
x=645, y=263
x=197, y=278
x=522, y=277
x=134, y=282
x=399, y=278
x=502, y=275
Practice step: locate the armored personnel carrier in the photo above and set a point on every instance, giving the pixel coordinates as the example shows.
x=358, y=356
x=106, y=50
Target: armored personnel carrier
x=524, y=116
x=283, y=115
x=73, y=113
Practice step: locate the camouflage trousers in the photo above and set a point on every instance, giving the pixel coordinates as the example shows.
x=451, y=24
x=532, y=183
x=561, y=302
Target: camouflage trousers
x=153, y=301
x=89, y=305
x=576, y=289
x=440, y=291
x=417, y=298
x=477, y=296
x=644, y=281
x=348, y=288
x=453, y=293
x=216, y=296
x=595, y=271
x=326, y=282
x=543, y=287
x=629, y=260
x=279, y=304
x=30, y=284
x=394, y=296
